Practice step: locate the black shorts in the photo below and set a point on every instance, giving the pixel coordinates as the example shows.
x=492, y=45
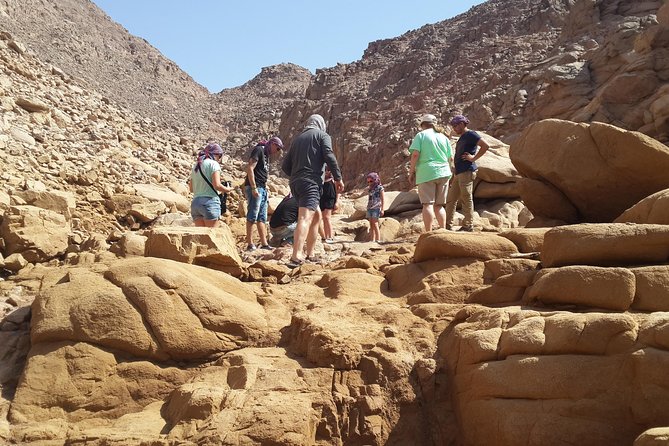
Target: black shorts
x=307, y=193
x=329, y=195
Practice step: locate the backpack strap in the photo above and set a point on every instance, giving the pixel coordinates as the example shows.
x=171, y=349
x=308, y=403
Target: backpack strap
x=223, y=197
x=208, y=182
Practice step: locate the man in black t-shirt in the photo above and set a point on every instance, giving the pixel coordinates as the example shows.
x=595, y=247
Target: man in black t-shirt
x=468, y=149
x=256, y=191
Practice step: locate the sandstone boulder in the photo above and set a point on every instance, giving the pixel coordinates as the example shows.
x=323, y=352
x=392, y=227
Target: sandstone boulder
x=324, y=341
x=507, y=289
x=526, y=239
x=505, y=358
x=130, y=244
x=653, y=209
x=652, y=290
x=37, y=234
x=445, y=281
x=258, y=396
x=593, y=166
x=352, y=284
x=147, y=212
x=502, y=267
x=61, y=202
x=546, y=201
x=605, y=244
x=148, y=308
x=587, y=286
x=442, y=244
x=486, y=190
x=171, y=199
x=76, y=381
x=399, y=202
x=209, y=247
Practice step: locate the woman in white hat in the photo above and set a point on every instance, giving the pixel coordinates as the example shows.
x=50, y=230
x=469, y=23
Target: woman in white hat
x=431, y=156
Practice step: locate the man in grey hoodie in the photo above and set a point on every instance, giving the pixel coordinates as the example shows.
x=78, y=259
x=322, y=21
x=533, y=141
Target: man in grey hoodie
x=304, y=163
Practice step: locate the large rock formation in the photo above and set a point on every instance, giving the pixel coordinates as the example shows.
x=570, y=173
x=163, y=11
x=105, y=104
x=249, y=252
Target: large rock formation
x=581, y=173
x=575, y=60
x=373, y=343
x=531, y=60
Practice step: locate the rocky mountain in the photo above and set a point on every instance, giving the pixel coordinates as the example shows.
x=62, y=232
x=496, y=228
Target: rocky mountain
x=253, y=111
x=80, y=39
x=505, y=64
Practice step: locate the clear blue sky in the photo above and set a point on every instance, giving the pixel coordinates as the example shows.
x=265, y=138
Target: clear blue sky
x=225, y=43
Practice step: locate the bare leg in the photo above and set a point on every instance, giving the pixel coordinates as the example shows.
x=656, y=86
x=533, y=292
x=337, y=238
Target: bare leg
x=199, y=222
x=374, y=229
x=262, y=233
x=428, y=216
x=327, y=223
x=249, y=232
x=313, y=233
x=304, y=218
x=440, y=212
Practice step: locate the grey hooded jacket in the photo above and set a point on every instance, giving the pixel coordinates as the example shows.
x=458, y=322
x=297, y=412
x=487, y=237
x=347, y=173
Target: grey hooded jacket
x=309, y=152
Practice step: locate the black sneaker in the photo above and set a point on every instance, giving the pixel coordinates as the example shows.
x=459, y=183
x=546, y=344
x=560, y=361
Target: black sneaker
x=466, y=229
x=251, y=247
x=266, y=247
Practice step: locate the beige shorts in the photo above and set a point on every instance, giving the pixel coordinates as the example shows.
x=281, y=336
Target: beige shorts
x=433, y=192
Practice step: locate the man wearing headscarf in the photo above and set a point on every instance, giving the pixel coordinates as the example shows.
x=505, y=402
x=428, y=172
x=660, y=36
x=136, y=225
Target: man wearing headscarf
x=468, y=149
x=256, y=191
x=309, y=152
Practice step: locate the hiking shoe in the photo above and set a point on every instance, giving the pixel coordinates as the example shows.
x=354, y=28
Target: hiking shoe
x=449, y=227
x=466, y=229
x=251, y=247
x=266, y=247
x=329, y=241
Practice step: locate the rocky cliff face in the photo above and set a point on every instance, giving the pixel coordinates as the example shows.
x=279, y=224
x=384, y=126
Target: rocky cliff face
x=80, y=39
x=253, y=111
x=505, y=64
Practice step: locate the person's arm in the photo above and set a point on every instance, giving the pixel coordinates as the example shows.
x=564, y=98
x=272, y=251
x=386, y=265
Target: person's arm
x=190, y=185
x=216, y=182
x=287, y=163
x=482, y=149
x=383, y=201
x=331, y=161
x=412, y=165
x=251, y=176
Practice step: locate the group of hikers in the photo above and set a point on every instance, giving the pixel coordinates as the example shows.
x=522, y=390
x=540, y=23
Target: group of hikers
x=316, y=182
